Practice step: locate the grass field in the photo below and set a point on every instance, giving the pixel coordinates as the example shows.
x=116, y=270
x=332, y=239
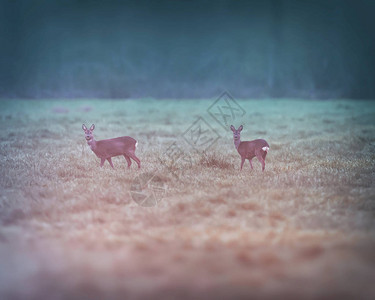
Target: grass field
x=303, y=229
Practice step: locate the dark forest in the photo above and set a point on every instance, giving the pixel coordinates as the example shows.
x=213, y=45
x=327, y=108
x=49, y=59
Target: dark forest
x=187, y=49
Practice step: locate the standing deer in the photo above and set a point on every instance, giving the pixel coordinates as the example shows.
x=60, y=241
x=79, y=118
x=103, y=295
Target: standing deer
x=106, y=149
x=250, y=149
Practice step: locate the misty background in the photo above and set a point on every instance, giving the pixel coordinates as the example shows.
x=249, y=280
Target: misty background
x=187, y=49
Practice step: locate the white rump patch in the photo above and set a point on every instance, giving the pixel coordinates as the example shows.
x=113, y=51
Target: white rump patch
x=265, y=149
x=136, y=144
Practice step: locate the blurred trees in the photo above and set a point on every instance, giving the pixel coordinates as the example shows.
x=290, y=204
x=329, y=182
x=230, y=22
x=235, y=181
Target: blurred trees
x=117, y=49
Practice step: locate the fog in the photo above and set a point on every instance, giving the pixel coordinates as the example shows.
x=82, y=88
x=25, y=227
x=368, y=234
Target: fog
x=187, y=49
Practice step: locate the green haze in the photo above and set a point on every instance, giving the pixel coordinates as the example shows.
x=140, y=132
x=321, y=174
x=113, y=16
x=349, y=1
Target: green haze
x=187, y=49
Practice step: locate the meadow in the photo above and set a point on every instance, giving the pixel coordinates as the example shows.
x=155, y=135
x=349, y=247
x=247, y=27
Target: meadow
x=302, y=229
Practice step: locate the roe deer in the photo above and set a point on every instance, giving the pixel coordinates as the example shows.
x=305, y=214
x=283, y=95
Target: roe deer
x=106, y=149
x=250, y=149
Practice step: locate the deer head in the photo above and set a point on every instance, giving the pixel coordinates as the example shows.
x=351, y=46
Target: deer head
x=88, y=132
x=236, y=132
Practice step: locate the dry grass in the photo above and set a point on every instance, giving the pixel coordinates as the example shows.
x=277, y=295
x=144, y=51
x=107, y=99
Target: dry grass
x=304, y=228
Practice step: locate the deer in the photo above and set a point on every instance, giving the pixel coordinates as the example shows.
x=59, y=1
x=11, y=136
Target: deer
x=250, y=149
x=106, y=149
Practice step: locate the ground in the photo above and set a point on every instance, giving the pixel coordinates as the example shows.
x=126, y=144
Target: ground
x=304, y=228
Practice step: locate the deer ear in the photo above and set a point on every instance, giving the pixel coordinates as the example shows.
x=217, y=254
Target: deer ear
x=232, y=128
x=92, y=127
x=84, y=127
x=240, y=128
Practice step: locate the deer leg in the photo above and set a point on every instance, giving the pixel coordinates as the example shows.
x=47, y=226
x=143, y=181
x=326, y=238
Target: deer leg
x=128, y=160
x=260, y=158
x=242, y=162
x=110, y=162
x=136, y=159
x=264, y=155
x=251, y=165
x=102, y=160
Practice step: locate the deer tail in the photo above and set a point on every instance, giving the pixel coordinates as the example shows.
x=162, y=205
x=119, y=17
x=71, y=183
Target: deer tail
x=265, y=149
